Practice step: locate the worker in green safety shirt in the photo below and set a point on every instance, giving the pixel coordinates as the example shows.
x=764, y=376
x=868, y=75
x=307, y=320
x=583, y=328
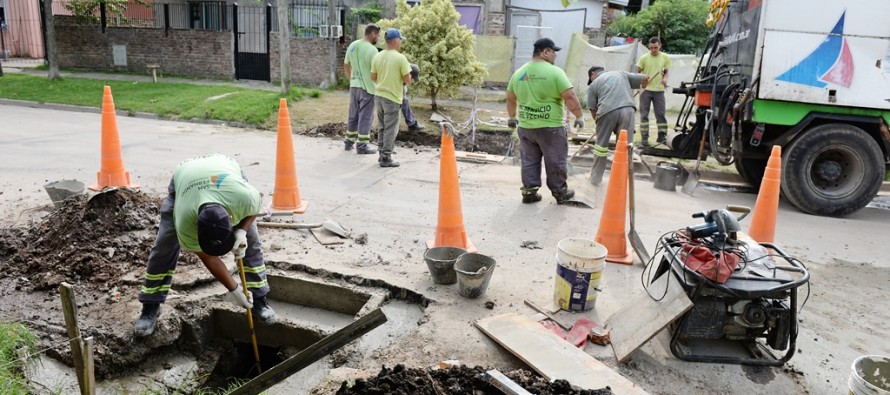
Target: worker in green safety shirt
x=209, y=210
x=542, y=93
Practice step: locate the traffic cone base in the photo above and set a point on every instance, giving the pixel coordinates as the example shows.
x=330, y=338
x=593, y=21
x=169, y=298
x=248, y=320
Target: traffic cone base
x=611, y=232
x=300, y=209
x=469, y=246
x=286, y=196
x=111, y=171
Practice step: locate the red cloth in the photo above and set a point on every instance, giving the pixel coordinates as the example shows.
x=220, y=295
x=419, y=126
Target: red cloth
x=702, y=261
x=577, y=335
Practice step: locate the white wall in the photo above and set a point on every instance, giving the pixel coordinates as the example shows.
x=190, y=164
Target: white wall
x=594, y=9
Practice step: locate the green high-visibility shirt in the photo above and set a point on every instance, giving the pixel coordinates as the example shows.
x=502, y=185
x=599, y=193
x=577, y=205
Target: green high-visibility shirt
x=538, y=87
x=359, y=56
x=391, y=67
x=210, y=179
x=654, y=67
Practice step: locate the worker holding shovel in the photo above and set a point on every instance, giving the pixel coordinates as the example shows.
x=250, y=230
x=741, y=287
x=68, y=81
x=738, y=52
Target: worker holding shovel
x=210, y=210
x=611, y=104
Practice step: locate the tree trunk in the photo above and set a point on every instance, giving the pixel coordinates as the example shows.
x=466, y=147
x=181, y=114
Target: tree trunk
x=52, y=54
x=284, y=46
x=433, y=98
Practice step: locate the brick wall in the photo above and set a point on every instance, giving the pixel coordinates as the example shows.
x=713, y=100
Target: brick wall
x=310, y=60
x=496, y=25
x=197, y=53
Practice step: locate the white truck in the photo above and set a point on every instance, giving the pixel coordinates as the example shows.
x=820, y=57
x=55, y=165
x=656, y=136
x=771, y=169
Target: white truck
x=810, y=76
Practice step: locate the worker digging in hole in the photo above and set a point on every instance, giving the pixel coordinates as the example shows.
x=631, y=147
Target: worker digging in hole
x=213, y=214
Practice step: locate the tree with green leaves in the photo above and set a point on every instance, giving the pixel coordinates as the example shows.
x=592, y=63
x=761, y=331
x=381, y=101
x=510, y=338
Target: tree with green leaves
x=679, y=23
x=441, y=47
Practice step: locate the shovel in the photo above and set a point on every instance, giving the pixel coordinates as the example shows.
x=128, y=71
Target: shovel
x=571, y=169
x=635, y=242
x=328, y=224
x=692, y=180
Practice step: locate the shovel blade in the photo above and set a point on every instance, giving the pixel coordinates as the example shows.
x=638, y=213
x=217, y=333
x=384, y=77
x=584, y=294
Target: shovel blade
x=691, y=183
x=639, y=248
x=335, y=228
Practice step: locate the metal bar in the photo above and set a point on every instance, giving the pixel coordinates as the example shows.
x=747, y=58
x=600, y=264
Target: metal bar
x=103, y=15
x=235, y=32
x=42, y=8
x=268, y=33
x=315, y=352
x=166, y=19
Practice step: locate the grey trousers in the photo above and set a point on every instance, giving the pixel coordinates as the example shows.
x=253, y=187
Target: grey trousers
x=551, y=144
x=656, y=99
x=165, y=252
x=387, y=123
x=611, y=122
x=361, y=115
x=407, y=113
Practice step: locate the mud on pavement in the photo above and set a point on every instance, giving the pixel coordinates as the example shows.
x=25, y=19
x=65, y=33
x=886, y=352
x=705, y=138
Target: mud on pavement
x=486, y=141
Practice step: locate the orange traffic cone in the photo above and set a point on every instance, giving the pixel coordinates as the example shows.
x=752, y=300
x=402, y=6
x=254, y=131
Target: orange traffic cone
x=611, y=231
x=763, y=219
x=111, y=172
x=286, y=196
x=450, y=230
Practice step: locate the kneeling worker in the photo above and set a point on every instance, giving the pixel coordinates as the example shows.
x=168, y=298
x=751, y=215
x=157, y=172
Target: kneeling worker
x=209, y=210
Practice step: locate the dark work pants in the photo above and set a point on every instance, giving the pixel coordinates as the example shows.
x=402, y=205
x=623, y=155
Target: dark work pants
x=406, y=111
x=387, y=124
x=361, y=115
x=656, y=99
x=551, y=144
x=165, y=252
x=611, y=122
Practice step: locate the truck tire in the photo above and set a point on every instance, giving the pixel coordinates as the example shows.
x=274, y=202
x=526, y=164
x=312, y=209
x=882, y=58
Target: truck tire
x=751, y=170
x=832, y=170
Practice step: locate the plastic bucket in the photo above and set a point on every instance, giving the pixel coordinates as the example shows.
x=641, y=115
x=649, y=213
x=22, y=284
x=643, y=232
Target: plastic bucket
x=440, y=261
x=579, y=269
x=870, y=375
x=58, y=191
x=473, y=274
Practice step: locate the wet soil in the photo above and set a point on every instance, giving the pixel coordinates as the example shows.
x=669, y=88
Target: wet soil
x=456, y=380
x=89, y=239
x=486, y=141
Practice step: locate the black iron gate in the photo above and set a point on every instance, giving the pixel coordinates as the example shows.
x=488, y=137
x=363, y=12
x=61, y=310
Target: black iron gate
x=251, y=27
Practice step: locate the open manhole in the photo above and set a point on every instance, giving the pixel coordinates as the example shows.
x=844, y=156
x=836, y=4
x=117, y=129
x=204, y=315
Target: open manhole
x=203, y=343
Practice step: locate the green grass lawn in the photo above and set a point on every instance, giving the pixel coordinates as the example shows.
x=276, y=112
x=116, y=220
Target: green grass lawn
x=168, y=100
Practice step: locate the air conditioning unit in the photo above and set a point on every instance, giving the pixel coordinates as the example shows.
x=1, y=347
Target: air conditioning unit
x=336, y=31
x=323, y=31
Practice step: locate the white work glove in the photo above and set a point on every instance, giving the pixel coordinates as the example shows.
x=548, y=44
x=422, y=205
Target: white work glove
x=240, y=246
x=237, y=298
x=579, y=123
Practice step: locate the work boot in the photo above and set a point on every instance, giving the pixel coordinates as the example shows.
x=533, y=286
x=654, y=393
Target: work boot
x=263, y=311
x=644, y=140
x=530, y=195
x=365, y=149
x=385, y=160
x=416, y=127
x=564, y=195
x=347, y=145
x=147, y=321
x=661, y=138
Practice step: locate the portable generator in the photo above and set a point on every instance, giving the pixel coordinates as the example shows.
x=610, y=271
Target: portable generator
x=747, y=315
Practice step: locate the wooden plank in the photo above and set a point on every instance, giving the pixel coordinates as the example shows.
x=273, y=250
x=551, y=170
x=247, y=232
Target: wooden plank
x=89, y=364
x=643, y=317
x=69, y=309
x=478, y=157
x=311, y=354
x=326, y=237
x=551, y=356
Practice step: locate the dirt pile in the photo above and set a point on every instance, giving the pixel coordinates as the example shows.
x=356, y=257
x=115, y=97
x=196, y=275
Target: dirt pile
x=95, y=239
x=456, y=381
x=492, y=142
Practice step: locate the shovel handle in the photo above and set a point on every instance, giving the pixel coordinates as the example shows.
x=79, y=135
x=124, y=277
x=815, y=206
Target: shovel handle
x=280, y=225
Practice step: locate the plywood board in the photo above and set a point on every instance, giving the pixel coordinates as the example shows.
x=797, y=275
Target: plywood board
x=326, y=237
x=643, y=317
x=551, y=356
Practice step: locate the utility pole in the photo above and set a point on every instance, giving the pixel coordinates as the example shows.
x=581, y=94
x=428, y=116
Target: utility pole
x=284, y=45
x=332, y=21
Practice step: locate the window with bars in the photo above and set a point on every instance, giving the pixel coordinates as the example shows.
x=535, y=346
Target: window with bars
x=208, y=15
x=306, y=19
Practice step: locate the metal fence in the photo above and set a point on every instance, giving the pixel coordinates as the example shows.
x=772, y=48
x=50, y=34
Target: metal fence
x=21, y=35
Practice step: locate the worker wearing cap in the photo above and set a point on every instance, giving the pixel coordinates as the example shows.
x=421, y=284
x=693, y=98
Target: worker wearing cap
x=611, y=103
x=542, y=92
x=209, y=210
x=357, y=65
x=390, y=71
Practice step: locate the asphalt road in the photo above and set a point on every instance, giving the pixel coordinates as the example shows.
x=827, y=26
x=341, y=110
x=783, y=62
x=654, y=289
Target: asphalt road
x=845, y=317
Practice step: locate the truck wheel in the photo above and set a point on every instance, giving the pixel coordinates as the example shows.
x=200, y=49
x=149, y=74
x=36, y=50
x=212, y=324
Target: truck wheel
x=833, y=169
x=751, y=170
